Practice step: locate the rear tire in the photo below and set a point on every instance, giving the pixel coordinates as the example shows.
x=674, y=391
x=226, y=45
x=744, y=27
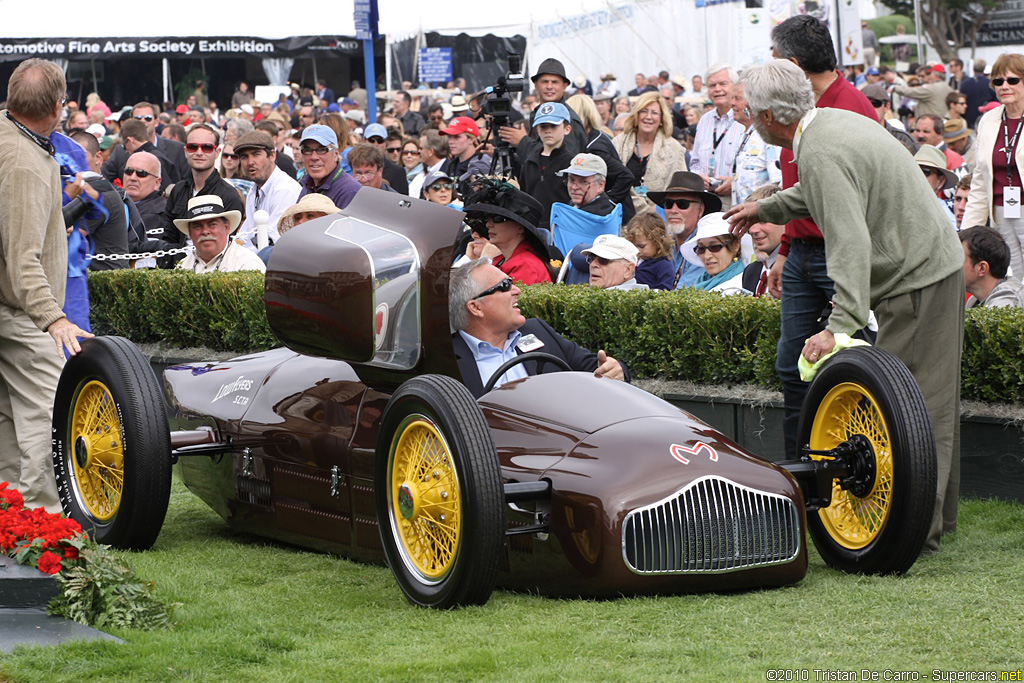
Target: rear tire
x=111, y=444
x=439, y=495
x=868, y=391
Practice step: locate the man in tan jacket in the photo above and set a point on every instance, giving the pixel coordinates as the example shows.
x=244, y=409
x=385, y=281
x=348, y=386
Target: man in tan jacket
x=33, y=275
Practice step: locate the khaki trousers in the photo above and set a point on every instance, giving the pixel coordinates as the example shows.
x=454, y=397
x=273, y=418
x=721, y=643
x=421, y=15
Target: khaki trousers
x=925, y=329
x=29, y=370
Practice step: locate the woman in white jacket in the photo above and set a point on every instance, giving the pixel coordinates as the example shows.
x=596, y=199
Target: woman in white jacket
x=648, y=149
x=995, y=197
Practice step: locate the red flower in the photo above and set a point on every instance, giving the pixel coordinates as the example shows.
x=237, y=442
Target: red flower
x=49, y=563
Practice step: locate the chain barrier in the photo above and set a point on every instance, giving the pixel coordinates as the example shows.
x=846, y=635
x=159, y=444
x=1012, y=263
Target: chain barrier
x=145, y=254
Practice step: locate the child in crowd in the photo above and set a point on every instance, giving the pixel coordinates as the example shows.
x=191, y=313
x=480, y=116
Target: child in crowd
x=538, y=176
x=648, y=233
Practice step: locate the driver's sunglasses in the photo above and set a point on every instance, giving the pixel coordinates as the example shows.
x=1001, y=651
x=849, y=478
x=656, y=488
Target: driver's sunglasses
x=600, y=259
x=1014, y=80
x=128, y=170
x=681, y=203
x=714, y=249
x=143, y=117
x=194, y=147
x=394, y=150
x=436, y=187
x=503, y=286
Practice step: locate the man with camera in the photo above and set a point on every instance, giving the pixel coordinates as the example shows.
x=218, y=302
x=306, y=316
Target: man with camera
x=551, y=82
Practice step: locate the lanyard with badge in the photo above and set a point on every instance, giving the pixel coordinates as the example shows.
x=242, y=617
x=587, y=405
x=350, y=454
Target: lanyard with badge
x=1011, y=192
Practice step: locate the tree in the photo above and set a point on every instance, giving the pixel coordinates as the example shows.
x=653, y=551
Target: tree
x=949, y=24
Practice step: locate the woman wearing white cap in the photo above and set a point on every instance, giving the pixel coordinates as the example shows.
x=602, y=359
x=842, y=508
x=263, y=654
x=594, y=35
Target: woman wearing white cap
x=720, y=253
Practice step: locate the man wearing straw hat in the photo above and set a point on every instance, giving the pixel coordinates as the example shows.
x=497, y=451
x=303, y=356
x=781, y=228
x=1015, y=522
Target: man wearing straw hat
x=209, y=225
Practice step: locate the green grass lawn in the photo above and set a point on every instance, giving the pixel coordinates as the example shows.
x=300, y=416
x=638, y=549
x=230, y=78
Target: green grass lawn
x=252, y=611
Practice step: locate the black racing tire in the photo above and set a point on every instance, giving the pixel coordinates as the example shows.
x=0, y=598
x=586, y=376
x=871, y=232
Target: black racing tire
x=111, y=444
x=539, y=356
x=439, y=495
x=869, y=391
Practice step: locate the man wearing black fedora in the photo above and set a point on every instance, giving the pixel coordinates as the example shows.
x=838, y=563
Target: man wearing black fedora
x=685, y=201
x=209, y=225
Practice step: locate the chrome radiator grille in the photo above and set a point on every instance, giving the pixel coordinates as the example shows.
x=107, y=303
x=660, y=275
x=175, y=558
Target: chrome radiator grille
x=712, y=525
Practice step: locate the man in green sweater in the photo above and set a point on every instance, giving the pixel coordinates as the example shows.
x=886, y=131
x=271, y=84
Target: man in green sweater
x=876, y=212
x=33, y=275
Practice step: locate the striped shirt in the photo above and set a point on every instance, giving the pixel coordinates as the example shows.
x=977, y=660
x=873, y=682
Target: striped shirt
x=717, y=142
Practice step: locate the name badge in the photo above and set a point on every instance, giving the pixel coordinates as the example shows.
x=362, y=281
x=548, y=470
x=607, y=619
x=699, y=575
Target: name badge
x=529, y=343
x=1011, y=202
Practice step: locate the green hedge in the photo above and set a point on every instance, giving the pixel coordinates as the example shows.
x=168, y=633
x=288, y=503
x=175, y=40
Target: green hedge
x=686, y=335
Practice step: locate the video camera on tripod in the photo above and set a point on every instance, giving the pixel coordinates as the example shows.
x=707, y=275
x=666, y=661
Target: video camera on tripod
x=498, y=105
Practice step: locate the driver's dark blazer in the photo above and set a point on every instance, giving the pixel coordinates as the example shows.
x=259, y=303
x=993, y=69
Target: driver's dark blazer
x=575, y=355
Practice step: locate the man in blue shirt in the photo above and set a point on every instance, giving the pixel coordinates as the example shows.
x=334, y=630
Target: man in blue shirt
x=484, y=310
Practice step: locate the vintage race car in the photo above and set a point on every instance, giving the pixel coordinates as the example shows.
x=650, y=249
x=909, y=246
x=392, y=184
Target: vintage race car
x=357, y=437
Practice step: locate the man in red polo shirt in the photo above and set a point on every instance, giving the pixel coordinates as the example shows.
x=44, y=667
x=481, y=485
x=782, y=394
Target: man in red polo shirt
x=799, y=277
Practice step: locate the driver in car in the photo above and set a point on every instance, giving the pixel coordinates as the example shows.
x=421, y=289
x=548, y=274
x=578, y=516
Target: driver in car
x=490, y=330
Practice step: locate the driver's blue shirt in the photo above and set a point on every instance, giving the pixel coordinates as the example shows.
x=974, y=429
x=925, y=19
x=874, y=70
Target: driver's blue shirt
x=488, y=358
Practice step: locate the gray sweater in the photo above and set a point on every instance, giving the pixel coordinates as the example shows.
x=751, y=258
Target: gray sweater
x=33, y=241
x=885, y=234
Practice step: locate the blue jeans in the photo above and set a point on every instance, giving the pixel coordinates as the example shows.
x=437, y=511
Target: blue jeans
x=806, y=290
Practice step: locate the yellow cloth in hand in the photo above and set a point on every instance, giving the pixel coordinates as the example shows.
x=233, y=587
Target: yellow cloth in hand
x=843, y=341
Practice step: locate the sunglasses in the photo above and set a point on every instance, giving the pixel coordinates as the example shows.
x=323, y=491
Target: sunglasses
x=1015, y=80
x=503, y=286
x=441, y=186
x=600, y=259
x=310, y=151
x=225, y=155
x=681, y=203
x=193, y=147
x=147, y=118
x=411, y=152
x=394, y=150
x=714, y=249
x=876, y=103
x=128, y=170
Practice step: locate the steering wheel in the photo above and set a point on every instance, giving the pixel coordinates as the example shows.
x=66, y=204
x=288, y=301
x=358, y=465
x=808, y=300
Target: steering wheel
x=538, y=356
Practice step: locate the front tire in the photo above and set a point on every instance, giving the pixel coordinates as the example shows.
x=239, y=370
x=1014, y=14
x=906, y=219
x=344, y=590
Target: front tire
x=111, y=444
x=439, y=495
x=868, y=391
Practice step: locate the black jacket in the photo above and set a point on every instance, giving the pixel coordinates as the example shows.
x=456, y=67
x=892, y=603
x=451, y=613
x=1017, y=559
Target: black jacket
x=538, y=178
x=110, y=235
x=170, y=151
x=395, y=175
x=578, y=358
x=177, y=207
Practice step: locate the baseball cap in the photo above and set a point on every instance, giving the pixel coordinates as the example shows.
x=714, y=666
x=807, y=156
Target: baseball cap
x=585, y=165
x=96, y=129
x=613, y=247
x=247, y=108
x=939, y=69
x=181, y=109
x=107, y=141
x=461, y=124
x=347, y=101
x=433, y=177
x=873, y=71
x=375, y=130
x=320, y=133
x=551, y=112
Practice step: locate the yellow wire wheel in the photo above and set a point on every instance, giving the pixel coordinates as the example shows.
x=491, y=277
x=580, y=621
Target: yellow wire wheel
x=847, y=410
x=98, y=450
x=425, y=498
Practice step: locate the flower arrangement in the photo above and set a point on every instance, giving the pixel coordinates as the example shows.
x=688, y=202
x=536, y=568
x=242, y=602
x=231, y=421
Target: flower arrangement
x=97, y=588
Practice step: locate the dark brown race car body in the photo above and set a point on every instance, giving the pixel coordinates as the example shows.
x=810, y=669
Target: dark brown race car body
x=603, y=489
